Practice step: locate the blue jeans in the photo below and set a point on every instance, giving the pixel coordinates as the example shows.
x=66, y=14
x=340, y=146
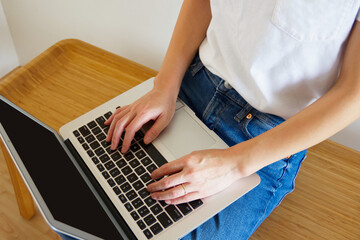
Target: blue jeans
x=224, y=111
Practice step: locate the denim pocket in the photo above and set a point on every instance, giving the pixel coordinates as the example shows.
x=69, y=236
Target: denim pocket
x=311, y=20
x=258, y=124
x=196, y=65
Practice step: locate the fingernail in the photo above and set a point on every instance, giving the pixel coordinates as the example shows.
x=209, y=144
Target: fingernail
x=168, y=202
x=153, y=196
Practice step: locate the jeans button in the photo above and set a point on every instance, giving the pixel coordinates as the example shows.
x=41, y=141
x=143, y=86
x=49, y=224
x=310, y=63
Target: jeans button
x=249, y=116
x=227, y=85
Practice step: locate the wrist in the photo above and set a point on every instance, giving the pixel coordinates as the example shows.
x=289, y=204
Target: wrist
x=167, y=85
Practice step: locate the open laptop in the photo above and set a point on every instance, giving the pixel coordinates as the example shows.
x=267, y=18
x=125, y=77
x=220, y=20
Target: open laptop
x=85, y=190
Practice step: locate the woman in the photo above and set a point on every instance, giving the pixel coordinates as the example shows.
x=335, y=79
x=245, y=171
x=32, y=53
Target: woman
x=267, y=81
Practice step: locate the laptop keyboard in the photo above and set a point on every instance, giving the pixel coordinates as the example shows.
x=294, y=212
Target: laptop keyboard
x=128, y=175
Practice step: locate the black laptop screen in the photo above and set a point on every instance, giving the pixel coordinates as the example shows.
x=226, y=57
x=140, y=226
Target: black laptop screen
x=64, y=191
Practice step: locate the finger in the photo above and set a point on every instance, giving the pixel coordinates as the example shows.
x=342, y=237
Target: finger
x=168, y=169
x=184, y=199
x=170, y=194
x=120, y=126
x=110, y=119
x=166, y=183
x=159, y=125
x=131, y=129
x=117, y=118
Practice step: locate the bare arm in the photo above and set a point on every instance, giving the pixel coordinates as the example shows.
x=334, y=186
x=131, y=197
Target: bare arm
x=201, y=171
x=159, y=103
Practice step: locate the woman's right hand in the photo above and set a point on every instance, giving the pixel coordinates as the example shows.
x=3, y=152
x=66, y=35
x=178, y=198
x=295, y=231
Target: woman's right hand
x=158, y=105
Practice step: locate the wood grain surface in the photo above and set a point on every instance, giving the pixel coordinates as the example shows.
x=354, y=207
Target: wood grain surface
x=72, y=77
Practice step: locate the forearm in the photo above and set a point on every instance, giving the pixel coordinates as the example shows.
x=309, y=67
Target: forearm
x=189, y=32
x=328, y=115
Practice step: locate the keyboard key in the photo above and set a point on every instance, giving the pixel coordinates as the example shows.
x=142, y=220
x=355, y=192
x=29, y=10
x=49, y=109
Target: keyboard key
x=96, y=130
x=196, y=203
x=141, y=224
x=173, y=213
x=94, y=145
x=146, y=161
x=76, y=133
x=135, y=147
x=134, y=215
x=184, y=208
x=90, y=153
x=105, y=144
x=99, y=152
x=100, y=167
x=140, y=170
x=156, y=209
x=148, y=234
x=131, y=195
x=145, y=177
x=138, y=135
x=100, y=121
x=84, y=131
x=156, y=229
x=85, y=146
x=109, y=165
x=106, y=129
x=143, y=211
x=153, y=153
x=140, y=154
x=90, y=138
x=105, y=174
x=108, y=115
x=151, y=168
x=101, y=137
x=163, y=203
x=117, y=190
x=128, y=156
x=126, y=170
x=164, y=220
x=134, y=163
x=120, y=179
x=95, y=160
x=111, y=182
x=128, y=207
x=109, y=151
x=116, y=156
x=91, y=124
x=122, y=198
x=114, y=172
x=138, y=185
x=81, y=140
x=149, y=201
x=132, y=177
x=121, y=163
x=149, y=220
x=144, y=193
x=125, y=187
x=104, y=158
x=137, y=203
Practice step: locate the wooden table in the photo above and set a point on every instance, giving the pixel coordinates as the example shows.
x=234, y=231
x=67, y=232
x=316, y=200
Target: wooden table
x=64, y=82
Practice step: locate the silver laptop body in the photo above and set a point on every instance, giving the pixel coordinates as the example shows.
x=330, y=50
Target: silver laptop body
x=186, y=133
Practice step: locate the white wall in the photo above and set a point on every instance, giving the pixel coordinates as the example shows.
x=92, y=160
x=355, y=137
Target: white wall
x=139, y=30
x=8, y=56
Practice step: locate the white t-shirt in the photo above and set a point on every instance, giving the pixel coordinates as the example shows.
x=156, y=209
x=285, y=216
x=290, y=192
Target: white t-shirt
x=280, y=55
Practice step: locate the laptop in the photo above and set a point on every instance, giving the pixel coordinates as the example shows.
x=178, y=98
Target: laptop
x=87, y=191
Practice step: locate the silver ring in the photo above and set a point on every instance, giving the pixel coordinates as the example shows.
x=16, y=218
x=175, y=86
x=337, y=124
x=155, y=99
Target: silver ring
x=183, y=186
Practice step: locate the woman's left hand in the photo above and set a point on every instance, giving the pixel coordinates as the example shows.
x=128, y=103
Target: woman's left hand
x=194, y=176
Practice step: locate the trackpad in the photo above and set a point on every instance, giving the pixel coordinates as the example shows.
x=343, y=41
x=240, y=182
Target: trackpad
x=184, y=135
